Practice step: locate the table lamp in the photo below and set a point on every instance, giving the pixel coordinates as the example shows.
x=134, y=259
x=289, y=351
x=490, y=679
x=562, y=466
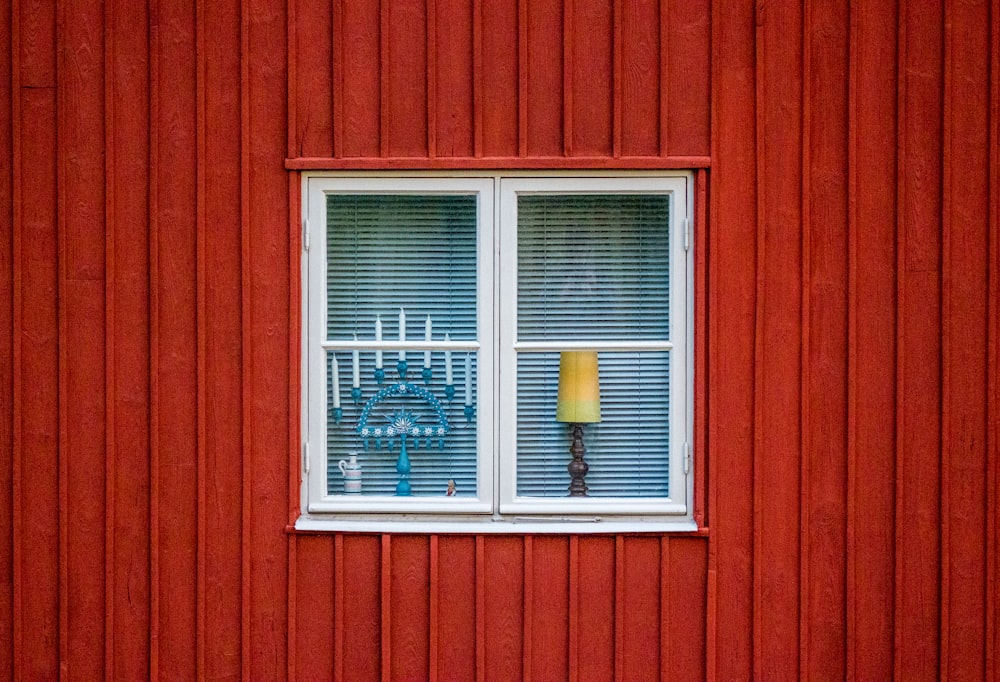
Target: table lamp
x=578, y=403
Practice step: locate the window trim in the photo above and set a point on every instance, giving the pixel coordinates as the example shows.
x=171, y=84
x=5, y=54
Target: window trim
x=496, y=509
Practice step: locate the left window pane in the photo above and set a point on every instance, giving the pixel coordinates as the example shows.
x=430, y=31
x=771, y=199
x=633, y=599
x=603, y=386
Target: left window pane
x=401, y=261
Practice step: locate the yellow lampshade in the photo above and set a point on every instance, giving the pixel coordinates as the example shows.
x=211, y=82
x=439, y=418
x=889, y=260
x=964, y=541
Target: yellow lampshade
x=579, y=400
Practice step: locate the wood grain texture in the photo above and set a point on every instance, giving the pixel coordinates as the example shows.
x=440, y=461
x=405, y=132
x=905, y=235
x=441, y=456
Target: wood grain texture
x=918, y=519
x=175, y=312
x=315, y=593
x=731, y=305
x=8, y=288
x=824, y=353
x=779, y=341
x=872, y=336
x=964, y=320
x=685, y=130
x=503, y=604
x=410, y=605
x=267, y=339
x=221, y=311
x=38, y=356
x=313, y=86
x=592, y=109
x=82, y=204
x=549, y=586
x=498, y=72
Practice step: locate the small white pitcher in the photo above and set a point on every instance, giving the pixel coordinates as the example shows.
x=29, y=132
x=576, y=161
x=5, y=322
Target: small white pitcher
x=352, y=474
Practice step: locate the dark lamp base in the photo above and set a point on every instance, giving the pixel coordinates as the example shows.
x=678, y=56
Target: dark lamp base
x=577, y=468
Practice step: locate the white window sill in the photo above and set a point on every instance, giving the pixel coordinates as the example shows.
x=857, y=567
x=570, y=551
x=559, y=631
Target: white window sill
x=475, y=525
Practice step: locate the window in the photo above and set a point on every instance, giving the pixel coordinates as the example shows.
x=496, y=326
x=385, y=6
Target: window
x=482, y=351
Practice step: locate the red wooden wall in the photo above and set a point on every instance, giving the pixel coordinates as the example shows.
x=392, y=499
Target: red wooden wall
x=847, y=364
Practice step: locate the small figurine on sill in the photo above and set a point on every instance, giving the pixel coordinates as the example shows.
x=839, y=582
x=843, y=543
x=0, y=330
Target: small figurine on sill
x=451, y=487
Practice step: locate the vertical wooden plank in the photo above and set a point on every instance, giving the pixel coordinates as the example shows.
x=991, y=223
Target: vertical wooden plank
x=201, y=229
x=129, y=340
x=314, y=597
x=667, y=634
x=620, y=591
x=359, y=55
x=641, y=615
x=504, y=601
x=687, y=83
x=268, y=336
x=595, y=608
x=965, y=299
x=456, y=630
x=685, y=567
x=702, y=485
x=528, y=609
x=246, y=364
x=550, y=597
x=434, y=609
x=731, y=305
x=778, y=359
x=573, y=627
x=616, y=74
x=640, y=78
x=36, y=477
x=176, y=421
x=480, y=608
x=313, y=87
x=109, y=343
x=221, y=309
x=591, y=26
x=824, y=356
x=543, y=70
x=410, y=604
x=919, y=344
x=404, y=101
x=993, y=361
x=498, y=73
x=360, y=602
x=454, y=82
x=871, y=344
x=7, y=356
x=338, y=607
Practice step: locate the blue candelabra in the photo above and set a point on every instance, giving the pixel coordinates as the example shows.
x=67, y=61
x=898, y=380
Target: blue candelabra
x=403, y=424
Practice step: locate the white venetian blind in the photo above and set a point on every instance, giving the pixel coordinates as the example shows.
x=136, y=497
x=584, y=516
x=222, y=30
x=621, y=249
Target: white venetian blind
x=595, y=268
x=386, y=252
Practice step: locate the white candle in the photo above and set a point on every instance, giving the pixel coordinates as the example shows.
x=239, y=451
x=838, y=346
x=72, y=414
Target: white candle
x=356, y=367
x=448, y=378
x=336, y=383
x=378, y=338
x=427, y=338
x=468, y=379
x=402, y=333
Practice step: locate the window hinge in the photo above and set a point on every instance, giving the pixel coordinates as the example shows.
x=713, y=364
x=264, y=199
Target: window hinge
x=305, y=456
x=687, y=234
x=305, y=234
x=687, y=458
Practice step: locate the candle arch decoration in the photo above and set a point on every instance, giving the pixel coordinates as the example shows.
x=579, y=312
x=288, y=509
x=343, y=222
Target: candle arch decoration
x=402, y=423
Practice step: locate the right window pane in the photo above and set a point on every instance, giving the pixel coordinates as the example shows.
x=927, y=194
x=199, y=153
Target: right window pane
x=594, y=269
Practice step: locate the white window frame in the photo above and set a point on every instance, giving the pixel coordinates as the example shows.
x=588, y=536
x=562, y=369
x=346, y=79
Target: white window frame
x=497, y=508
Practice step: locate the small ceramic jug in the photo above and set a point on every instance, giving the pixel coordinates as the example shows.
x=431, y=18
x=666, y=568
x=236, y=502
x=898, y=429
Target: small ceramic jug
x=352, y=474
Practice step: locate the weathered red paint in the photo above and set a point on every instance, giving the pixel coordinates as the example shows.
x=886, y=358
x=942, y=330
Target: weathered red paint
x=846, y=332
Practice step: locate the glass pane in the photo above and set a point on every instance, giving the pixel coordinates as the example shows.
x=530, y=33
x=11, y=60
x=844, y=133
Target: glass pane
x=387, y=253
x=593, y=267
x=434, y=458
x=627, y=450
